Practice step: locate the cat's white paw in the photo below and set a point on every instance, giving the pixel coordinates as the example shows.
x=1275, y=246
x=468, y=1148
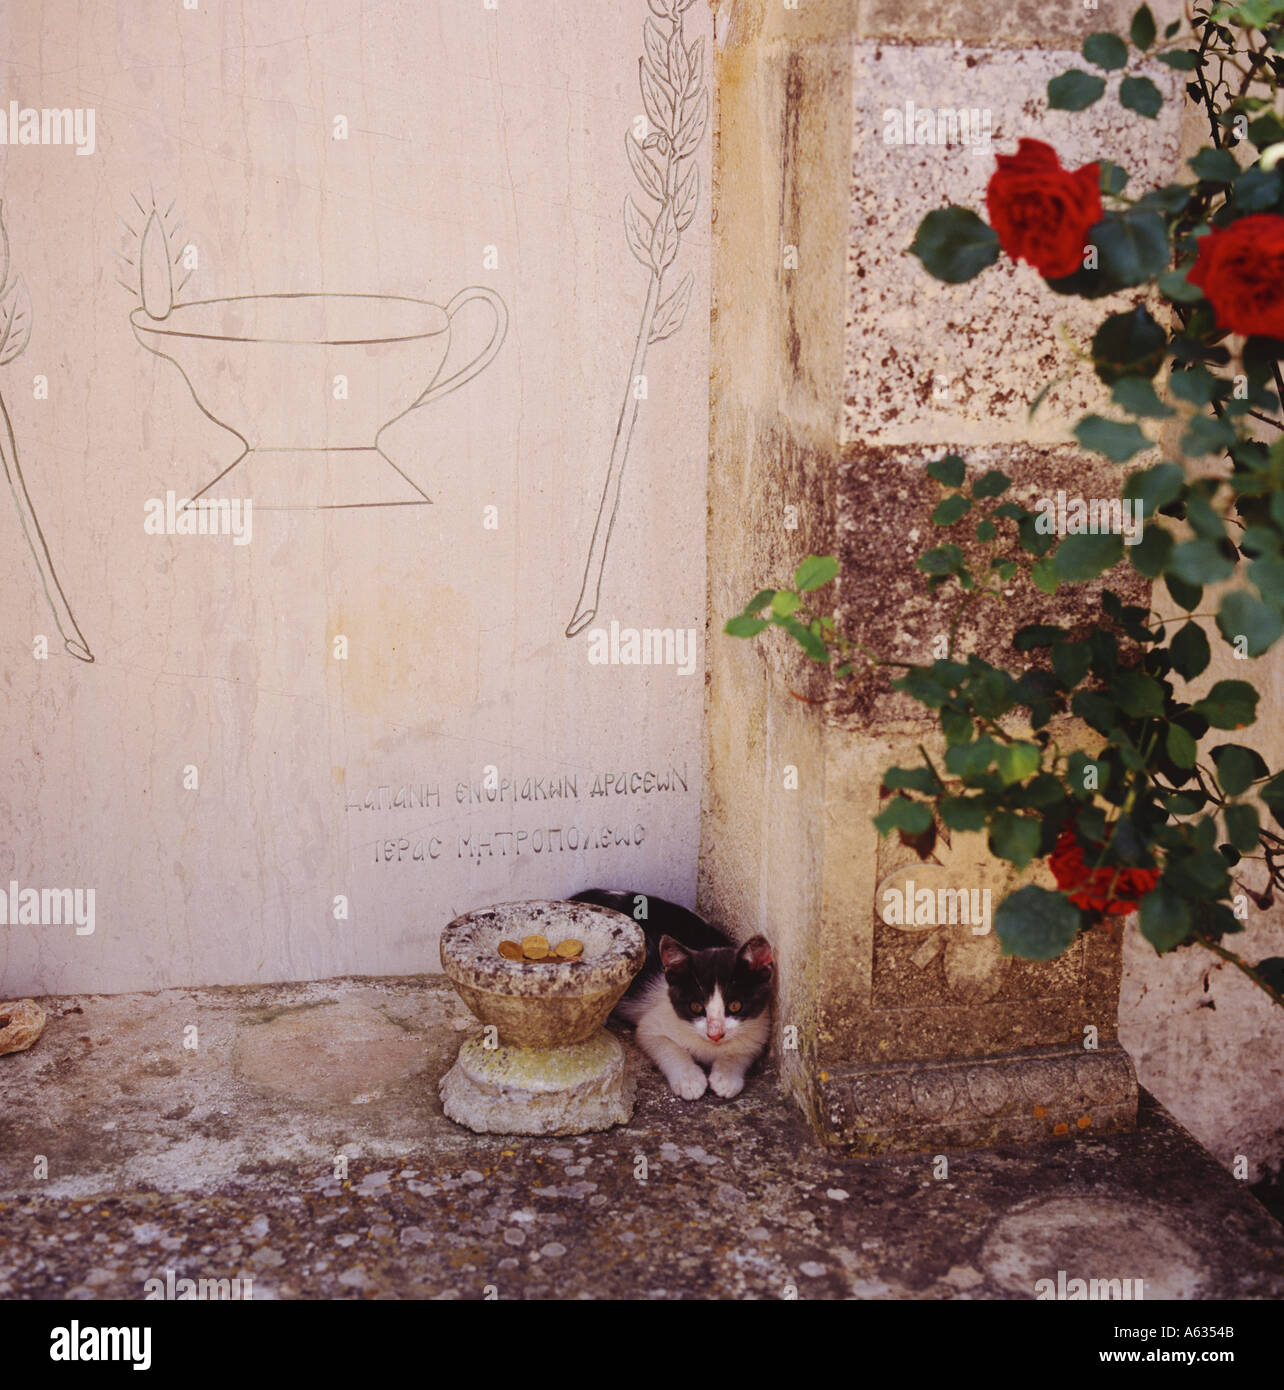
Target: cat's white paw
x=726, y=1083
x=690, y=1085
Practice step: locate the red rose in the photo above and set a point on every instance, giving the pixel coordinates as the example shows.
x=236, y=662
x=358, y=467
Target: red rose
x=1105, y=889
x=1240, y=269
x=1041, y=211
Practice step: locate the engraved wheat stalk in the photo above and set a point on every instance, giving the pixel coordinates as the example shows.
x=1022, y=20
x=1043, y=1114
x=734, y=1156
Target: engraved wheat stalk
x=676, y=102
x=15, y=334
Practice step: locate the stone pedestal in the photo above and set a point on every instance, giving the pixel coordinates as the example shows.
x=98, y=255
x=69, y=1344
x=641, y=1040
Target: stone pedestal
x=543, y=1064
x=839, y=368
x=528, y=1090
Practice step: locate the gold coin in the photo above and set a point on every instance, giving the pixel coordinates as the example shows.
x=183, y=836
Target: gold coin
x=569, y=949
x=510, y=950
x=534, y=947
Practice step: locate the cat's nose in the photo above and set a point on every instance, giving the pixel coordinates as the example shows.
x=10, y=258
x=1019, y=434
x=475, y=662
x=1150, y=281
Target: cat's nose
x=715, y=1033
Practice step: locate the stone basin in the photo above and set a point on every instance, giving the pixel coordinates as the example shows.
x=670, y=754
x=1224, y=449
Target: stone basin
x=549, y=1066
x=534, y=1003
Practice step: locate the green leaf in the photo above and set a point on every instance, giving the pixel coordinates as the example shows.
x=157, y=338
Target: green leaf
x=914, y=779
x=1229, y=705
x=1142, y=30
x=814, y=572
x=784, y=603
x=1169, y=200
x=1189, y=653
x=963, y=812
x=943, y=559
x=1273, y=795
x=1182, y=59
x=1149, y=556
x=1035, y=635
x=951, y=510
x=1155, y=487
x=1217, y=166
x=1084, y=557
x=1017, y=761
x=1014, y=838
x=1130, y=344
x=744, y=626
x=1112, y=178
x=1137, y=396
x=950, y=470
x=1118, y=441
x=1196, y=385
x=1107, y=51
x=1133, y=246
x=913, y=817
x=1241, y=616
x=1203, y=519
x=1070, y=661
x=1175, y=285
x=970, y=759
x=1075, y=90
x=1036, y=923
x=1164, y=918
x=955, y=245
x=1238, y=767
x=1138, y=695
x=1207, y=435
x=986, y=530
x=1140, y=94
x=991, y=483
x=1200, y=562
x=1242, y=827
x=1181, y=748
x=1257, y=189
x=1043, y=577
x=811, y=644
x=759, y=601
x=1185, y=595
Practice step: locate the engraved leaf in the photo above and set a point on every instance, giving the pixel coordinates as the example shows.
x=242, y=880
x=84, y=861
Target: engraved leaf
x=664, y=240
x=679, y=62
x=644, y=168
x=695, y=65
x=659, y=108
x=639, y=232
x=4, y=249
x=15, y=308
x=658, y=7
x=692, y=132
x=656, y=47
x=687, y=197
x=670, y=316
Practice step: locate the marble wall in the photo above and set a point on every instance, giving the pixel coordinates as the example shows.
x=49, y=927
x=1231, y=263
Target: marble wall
x=307, y=742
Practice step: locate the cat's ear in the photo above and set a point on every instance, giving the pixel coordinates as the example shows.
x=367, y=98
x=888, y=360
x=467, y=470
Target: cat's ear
x=756, y=954
x=673, y=955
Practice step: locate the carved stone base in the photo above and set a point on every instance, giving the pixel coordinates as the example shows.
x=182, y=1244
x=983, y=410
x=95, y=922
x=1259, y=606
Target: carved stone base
x=1021, y=1097
x=539, y=1090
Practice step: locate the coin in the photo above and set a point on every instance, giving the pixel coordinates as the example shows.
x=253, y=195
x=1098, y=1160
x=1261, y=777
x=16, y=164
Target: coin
x=569, y=949
x=534, y=947
x=510, y=950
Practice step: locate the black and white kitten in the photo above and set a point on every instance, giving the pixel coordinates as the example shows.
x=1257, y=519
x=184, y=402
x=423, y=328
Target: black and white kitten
x=698, y=999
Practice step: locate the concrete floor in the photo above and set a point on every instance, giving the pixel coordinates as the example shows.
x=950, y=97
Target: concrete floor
x=201, y=1132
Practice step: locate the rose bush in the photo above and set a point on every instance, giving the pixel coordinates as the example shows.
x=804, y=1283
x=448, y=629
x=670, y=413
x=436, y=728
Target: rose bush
x=1148, y=813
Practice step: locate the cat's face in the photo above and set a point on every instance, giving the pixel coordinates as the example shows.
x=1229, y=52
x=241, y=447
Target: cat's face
x=717, y=991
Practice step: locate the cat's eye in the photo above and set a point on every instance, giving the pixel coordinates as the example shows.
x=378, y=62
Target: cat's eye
x=734, y=1006
x=697, y=1008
